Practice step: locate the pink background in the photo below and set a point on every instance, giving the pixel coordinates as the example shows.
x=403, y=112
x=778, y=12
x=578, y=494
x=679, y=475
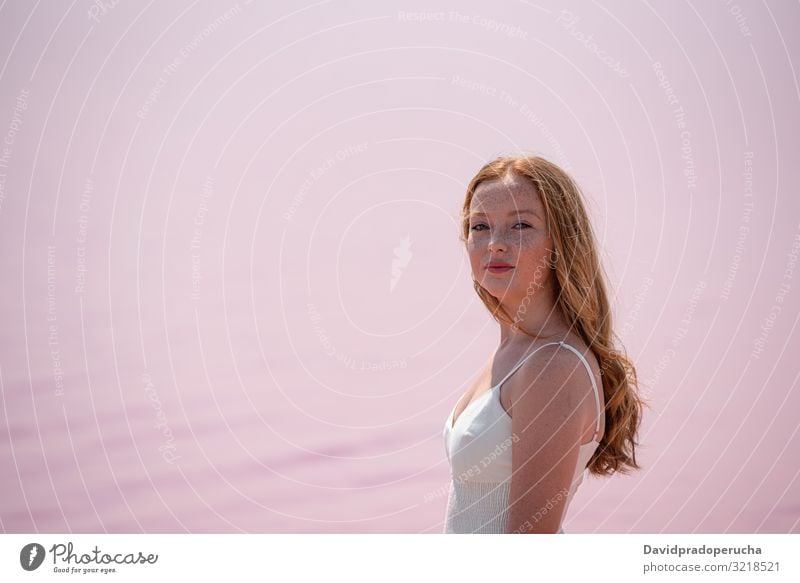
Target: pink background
x=234, y=299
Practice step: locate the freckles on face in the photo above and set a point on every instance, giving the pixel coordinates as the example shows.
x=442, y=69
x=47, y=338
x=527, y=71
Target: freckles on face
x=507, y=224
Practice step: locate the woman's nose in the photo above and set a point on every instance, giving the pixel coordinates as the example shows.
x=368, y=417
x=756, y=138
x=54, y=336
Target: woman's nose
x=497, y=243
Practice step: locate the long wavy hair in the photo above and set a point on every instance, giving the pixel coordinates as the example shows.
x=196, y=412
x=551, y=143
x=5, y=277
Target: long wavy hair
x=581, y=294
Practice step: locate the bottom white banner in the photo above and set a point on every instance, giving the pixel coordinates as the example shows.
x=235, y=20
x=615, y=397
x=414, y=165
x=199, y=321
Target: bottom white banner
x=399, y=557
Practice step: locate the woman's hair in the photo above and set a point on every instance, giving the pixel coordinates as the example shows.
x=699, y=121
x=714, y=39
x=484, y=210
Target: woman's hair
x=581, y=297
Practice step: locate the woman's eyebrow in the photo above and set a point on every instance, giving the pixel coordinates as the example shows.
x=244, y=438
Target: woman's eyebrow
x=511, y=213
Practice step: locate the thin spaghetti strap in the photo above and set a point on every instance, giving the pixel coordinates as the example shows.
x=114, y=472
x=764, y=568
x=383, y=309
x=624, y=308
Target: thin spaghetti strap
x=521, y=362
x=594, y=387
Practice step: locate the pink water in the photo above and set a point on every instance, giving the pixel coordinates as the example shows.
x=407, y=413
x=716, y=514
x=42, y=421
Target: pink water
x=233, y=295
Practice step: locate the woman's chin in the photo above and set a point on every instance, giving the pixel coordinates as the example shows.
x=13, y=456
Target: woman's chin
x=503, y=293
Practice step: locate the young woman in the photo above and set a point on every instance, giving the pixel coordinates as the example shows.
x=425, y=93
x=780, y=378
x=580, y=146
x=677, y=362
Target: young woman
x=556, y=398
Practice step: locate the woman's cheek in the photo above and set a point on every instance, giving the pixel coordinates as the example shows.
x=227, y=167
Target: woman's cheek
x=536, y=239
x=477, y=242
x=529, y=243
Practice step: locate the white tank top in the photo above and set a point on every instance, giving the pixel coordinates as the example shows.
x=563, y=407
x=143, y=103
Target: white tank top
x=478, y=449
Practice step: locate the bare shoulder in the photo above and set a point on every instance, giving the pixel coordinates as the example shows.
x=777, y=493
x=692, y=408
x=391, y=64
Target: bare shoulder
x=553, y=379
x=550, y=364
x=548, y=425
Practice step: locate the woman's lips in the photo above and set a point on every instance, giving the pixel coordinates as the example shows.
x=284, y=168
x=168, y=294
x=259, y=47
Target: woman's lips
x=498, y=269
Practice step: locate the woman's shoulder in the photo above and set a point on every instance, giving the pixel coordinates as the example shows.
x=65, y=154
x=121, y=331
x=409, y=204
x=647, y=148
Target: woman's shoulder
x=551, y=368
x=557, y=347
x=585, y=351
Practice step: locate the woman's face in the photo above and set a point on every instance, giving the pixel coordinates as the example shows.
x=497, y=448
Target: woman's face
x=507, y=225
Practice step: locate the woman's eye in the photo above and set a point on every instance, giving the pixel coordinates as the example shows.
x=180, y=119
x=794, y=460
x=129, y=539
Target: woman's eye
x=475, y=227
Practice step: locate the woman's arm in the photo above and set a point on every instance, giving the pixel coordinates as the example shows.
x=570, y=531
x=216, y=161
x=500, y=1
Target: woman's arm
x=547, y=426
